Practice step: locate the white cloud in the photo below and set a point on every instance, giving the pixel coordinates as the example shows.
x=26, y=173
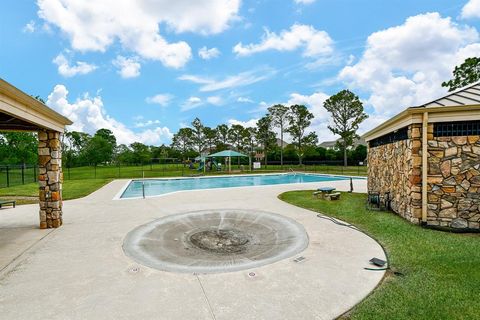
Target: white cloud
x=261, y=108
x=245, y=100
x=320, y=122
x=191, y=103
x=371, y=122
x=158, y=135
x=29, y=27
x=161, y=99
x=404, y=66
x=195, y=79
x=471, y=9
x=146, y=123
x=208, y=54
x=252, y=123
x=315, y=43
x=305, y=1
x=351, y=60
x=88, y=115
x=314, y=103
x=263, y=104
x=128, y=67
x=66, y=70
x=195, y=102
x=95, y=26
x=239, y=80
x=215, y=100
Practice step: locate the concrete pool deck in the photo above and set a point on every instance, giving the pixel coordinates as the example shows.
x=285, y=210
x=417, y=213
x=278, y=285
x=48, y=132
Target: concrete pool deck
x=80, y=271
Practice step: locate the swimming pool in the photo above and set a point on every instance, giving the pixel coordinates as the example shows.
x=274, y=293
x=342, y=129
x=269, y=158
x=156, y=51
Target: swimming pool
x=155, y=187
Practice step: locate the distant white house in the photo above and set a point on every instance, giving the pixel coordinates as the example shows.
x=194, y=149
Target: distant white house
x=332, y=144
x=328, y=144
x=279, y=143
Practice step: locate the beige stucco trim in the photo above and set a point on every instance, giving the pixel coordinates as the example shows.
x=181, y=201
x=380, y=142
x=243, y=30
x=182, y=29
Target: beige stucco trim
x=454, y=116
x=400, y=122
x=20, y=105
x=424, y=165
x=414, y=115
x=22, y=112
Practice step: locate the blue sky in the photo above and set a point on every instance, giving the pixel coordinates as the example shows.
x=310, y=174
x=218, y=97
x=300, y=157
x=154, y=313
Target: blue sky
x=145, y=68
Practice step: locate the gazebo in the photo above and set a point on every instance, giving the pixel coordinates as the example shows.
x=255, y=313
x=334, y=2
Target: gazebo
x=21, y=112
x=229, y=154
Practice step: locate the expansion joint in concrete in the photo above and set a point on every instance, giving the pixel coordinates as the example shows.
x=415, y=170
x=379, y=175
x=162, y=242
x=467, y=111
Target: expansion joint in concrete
x=206, y=297
x=9, y=267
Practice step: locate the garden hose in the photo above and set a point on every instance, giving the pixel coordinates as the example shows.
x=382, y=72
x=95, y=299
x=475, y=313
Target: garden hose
x=355, y=228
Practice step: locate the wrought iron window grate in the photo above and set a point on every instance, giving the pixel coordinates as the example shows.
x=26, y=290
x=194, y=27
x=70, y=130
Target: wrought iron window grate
x=458, y=128
x=398, y=135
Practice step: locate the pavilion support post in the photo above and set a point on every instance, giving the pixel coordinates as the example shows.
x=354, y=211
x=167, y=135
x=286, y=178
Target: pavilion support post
x=424, y=167
x=50, y=178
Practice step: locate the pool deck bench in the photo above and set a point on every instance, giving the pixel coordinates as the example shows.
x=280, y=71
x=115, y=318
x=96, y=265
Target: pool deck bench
x=333, y=196
x=7, y=202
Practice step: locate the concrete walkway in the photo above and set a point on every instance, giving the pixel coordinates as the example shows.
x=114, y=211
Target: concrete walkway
x=79, y=271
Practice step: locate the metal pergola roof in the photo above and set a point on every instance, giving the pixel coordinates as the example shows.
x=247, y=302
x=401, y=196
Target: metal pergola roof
x=469, y=95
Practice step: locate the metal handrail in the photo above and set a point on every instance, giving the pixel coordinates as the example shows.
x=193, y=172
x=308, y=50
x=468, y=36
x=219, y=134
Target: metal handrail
x=143, y=184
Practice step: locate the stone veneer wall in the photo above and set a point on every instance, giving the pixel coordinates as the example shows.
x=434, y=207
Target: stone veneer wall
x=50, y=179
x=454, y=181
x=395, y=168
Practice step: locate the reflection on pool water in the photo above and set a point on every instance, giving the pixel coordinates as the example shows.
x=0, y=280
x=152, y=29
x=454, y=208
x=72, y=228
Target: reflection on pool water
x=155, y=187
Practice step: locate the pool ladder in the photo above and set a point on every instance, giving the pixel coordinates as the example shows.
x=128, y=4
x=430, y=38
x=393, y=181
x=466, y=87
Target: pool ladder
x=143, y=184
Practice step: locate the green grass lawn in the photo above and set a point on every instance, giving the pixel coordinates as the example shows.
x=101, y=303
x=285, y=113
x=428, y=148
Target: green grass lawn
x=439, y=272
x=72, y=189
x=172, y=170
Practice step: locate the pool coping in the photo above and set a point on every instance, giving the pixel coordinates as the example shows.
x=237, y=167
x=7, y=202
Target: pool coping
x=118, y=195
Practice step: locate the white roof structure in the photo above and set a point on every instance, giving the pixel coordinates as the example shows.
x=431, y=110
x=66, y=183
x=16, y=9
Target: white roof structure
x=332, y=144
x=21, y=112
x=460, y=105
x=469, y=95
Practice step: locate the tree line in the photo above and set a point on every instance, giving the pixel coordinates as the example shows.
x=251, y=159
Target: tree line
x=80, y=148
x=260, y=139
x=345, y=108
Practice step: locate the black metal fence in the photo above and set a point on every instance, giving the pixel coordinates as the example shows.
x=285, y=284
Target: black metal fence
x=12, y=175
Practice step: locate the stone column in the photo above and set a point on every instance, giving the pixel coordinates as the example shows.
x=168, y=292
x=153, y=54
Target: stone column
x=50, y=178
x=415, y=173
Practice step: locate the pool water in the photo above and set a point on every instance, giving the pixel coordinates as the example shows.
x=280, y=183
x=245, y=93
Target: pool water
x=155, y=187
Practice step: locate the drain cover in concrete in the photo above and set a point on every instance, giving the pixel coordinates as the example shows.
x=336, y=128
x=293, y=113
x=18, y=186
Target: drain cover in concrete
x=215, y=241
